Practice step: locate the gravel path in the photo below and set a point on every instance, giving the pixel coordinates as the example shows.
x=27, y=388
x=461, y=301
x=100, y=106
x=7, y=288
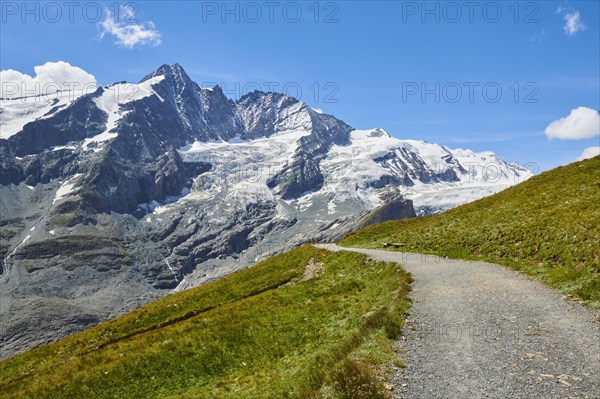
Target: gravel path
x=479, y=330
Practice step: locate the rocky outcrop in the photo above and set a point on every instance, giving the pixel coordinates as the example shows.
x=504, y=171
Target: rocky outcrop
x=219, y=113
x=302, y=173
x=11, y=171
x=80, y=120
x=396, y=209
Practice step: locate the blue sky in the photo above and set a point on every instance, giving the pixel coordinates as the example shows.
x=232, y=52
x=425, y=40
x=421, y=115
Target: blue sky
x=365, y=62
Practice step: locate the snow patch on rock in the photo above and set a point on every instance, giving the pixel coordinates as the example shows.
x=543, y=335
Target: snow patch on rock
x=111, y=100
x=66, y=189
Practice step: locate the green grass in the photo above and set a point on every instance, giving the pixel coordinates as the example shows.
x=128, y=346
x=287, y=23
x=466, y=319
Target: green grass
x=258, y=333
x=548, y=227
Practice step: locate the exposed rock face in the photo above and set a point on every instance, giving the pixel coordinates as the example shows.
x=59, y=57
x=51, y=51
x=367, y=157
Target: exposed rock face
x=113, y=198
x=395, y=209
x=80, y=120
x=11, y=171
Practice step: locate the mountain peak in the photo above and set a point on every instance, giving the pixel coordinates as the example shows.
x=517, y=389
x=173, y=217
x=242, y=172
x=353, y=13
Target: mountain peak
x=167, y=70
x=180, y=73
x=164, y=69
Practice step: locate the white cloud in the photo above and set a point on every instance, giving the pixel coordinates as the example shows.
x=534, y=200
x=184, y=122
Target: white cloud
x=581, y=123
x=589, y=152
x=573, y=23
x=49, y=78
x=538, y=38
x=127, y=33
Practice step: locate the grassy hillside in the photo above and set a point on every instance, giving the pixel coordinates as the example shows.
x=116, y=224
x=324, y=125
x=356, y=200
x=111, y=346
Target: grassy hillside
x=548, y=227
x=308, y=323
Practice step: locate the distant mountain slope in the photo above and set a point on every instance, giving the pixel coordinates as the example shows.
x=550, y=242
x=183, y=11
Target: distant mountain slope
x=548, y=227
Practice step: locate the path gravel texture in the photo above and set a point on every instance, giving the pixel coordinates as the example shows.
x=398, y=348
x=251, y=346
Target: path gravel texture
x=480, y=330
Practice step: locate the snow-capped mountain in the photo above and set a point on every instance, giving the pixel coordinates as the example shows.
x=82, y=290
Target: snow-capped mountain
x=115, y=197
x=435, y=178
